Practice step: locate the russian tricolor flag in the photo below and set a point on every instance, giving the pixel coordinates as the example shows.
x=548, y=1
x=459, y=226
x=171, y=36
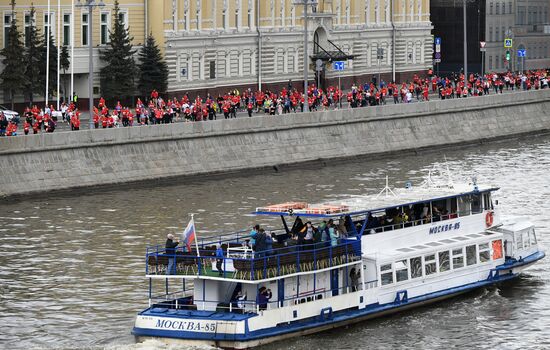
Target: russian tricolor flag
x=189, y=234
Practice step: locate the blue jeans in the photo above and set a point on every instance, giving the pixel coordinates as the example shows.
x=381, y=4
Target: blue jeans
x=171, y=270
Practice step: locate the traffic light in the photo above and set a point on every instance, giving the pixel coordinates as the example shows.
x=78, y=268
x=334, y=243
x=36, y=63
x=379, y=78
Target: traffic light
x=507, y=55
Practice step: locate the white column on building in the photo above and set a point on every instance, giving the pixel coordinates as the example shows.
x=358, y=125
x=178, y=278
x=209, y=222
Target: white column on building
x=273, y=13
x=419, y=10
x=283, y=9
x=214, y=15
x=252, y=11
x=411, y=10
x=387, y=11
x=253, y=62
x=199, y=14
x=348, y=10
x=367, y=12
x=241, y=63
x=285, y=61
x=339, y=11
x=228, y=63
x=186, y=16
x=201, y=66
x=403, y=11
x=377, y=11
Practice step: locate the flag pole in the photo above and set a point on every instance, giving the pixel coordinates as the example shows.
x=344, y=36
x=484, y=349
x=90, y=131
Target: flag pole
x=196, y=237
x=58, y=47
x=48, y=54
x=72, y=51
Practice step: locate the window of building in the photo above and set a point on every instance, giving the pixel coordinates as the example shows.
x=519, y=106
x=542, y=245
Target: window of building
x=386, y=274
x=84, y=29
x=458, y=258
x=198, y=19
x=401, y=271
x=7, y=24
x=497, y=34
x=66, y=29
x=429, y=264
x=503, y=8
x=491, y=8
x=47, y=24
x=212, y=69
x=510, y=7
x=503, y=33
x=497, y=12
x=249, y=18
x=471, y=256
x=490, y=62
x=237, y=19
x=444, y=262
x=490, y=33
x=224, y=19
x=104, y=28
x=28, y=23
x=123, y=18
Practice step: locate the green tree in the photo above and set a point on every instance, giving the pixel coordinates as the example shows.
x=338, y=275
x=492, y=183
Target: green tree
x=117, y=77
x=12, y=75
x=64, y=64
x=153, y=71
x=34, y=82
x=53, y=63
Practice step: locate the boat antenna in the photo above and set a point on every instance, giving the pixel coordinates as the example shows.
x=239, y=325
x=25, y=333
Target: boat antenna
x=450, y=181
x=386, y=189
x=428, y=182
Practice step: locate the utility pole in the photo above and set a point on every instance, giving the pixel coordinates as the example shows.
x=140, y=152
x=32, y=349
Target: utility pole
x=306, y=3
x=465, y=45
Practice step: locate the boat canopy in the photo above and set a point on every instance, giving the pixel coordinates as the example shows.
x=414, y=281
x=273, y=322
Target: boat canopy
x=360, y=205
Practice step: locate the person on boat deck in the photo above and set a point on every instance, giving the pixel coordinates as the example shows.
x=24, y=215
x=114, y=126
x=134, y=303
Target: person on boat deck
x=261, y=246
x=171, y=251
x=269, y=239
x=297, y=227
x=425, y=215
x=342, y=226
x=253, y=234
x=354, y=276
x=308, y=231
x=372, y=224
x=322, y=231
x=436, y=214
x=264, y=295
x=219, y=259
x=333, y=234
x=240, y=301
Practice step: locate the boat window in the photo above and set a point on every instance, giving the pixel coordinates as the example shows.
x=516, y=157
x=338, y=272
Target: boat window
x=416, y=267
x=463, y=206
x=439, y=209
x=519, y=241
x=533, y=236
x=484, y=253
x=429, y=264
x=458, y=258
x=476, y=203
x=401, y=271
x=386, y=274
x=471, y=258
x=444, y=262
x=487, y=203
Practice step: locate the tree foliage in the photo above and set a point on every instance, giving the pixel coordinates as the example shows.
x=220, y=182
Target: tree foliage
x=12, y=75
x=32, y=60
x=153, y=71
x=117, y=77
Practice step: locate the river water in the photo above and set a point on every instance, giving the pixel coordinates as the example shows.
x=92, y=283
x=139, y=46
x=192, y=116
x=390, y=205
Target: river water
x=72, y=265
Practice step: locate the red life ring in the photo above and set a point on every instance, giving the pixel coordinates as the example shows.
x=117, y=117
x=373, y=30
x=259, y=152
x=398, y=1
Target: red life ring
x=489, y=219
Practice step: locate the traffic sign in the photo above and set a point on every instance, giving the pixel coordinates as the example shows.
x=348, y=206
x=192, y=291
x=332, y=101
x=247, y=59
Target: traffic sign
x=438, y=55
x=507, y=43
x=482, y=44
x=522, y=53
x=438, y=41
x=437, y=60
x=437, y=48
x=338, y=65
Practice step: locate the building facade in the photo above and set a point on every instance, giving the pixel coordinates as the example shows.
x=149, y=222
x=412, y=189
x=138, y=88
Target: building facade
x=526, y=23
x=219, y=44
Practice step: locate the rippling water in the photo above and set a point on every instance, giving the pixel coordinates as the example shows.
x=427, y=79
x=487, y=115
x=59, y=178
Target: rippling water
x=71, y=266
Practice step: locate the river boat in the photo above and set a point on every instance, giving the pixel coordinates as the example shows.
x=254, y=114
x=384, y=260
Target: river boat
x=397, y=250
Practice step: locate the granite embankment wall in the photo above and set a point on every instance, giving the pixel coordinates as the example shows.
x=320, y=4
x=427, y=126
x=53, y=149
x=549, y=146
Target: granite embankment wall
x=62, y=160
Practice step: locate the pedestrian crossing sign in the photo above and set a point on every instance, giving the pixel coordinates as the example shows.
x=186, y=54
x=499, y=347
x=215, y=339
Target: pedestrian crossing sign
x=507, y=43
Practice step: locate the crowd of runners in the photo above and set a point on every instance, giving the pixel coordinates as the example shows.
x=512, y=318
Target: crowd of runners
x=159, y=110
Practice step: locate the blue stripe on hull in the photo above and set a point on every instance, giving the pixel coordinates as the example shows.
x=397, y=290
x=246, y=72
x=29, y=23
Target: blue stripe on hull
x=317, y=324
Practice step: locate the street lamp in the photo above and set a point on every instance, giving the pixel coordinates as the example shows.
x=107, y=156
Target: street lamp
x=90, y=4
x=306, y=3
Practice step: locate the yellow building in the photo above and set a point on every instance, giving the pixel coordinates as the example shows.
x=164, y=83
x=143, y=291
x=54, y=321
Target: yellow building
x=132, y=12
x=214, y=45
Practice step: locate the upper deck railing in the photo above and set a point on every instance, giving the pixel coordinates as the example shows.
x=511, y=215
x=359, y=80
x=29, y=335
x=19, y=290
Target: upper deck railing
x=244, y=264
